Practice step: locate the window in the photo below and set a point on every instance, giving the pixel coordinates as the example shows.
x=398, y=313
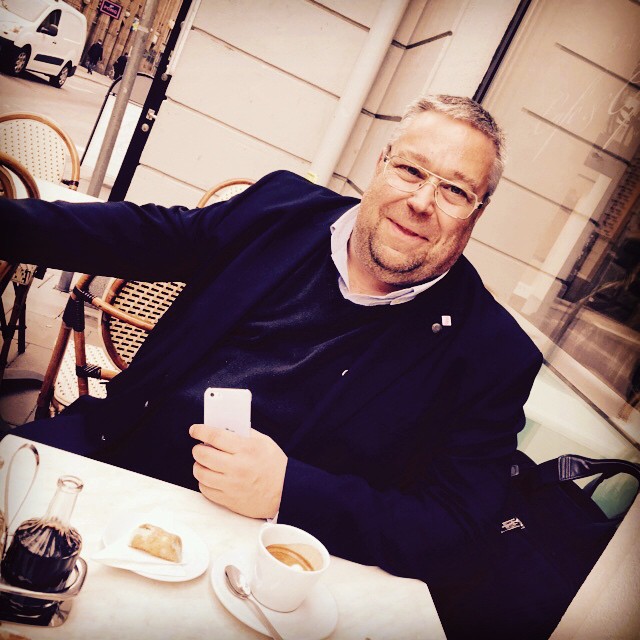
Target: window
x=560, y=243
x=52, y=20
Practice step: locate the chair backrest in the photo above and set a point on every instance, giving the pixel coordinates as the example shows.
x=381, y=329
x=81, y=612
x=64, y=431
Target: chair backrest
x=139, y=304
x=41, y=146
x=224, y=191
x=10, y=167
x=145, y=300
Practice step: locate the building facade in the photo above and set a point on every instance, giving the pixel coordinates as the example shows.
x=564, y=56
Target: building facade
x=117, y=34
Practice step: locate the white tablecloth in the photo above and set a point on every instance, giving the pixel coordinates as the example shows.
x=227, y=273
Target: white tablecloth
x=119, y=605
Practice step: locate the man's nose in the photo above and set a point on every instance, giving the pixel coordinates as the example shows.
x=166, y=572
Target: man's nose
x=424, y=199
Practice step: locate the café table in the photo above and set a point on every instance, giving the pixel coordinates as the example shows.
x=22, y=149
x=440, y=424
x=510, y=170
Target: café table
x=118, y=604
x=51, y=191
x=55, y=191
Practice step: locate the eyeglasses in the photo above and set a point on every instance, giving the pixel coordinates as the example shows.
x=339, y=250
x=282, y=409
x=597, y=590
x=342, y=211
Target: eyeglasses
x=454, y=200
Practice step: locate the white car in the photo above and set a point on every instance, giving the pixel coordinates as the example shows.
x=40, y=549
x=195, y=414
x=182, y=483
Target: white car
x=45, y=36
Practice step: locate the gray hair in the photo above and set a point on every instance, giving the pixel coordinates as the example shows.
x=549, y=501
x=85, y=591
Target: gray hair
x=466, y=110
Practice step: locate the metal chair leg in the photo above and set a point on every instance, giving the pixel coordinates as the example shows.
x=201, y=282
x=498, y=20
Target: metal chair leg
x=10, y=330
x=22, y=321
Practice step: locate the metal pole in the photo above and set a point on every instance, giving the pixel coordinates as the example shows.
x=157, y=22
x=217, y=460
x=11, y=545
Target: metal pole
x=137, y=51
x=361, y=80
x=64, y=283
x=95, y=124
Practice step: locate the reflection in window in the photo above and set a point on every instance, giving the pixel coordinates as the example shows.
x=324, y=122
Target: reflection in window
x=564, y=251
x=601, y=327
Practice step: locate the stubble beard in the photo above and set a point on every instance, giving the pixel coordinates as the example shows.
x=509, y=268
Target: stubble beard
x=398, y=270
x=397, y=267
x=404, y=271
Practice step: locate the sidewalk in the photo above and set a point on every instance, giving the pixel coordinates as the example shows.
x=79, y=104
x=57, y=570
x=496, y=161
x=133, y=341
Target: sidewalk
x=81, y=72
x=45, y=305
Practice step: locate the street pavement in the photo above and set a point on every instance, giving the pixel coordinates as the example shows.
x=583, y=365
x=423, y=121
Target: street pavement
x=45, y=305
x=75, y=107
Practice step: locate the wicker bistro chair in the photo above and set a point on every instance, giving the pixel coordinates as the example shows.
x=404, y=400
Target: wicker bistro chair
x=20, y=274
x=129, y=310
x=41, y=146
x=224, y=191
x=11, y=168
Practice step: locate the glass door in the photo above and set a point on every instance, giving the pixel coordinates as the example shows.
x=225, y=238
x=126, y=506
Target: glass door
x=560, y=243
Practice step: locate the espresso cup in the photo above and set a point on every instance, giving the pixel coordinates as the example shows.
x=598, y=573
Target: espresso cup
x=289, y=562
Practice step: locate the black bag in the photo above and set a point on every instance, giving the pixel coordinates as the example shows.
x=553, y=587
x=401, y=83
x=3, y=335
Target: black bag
x=520, y=581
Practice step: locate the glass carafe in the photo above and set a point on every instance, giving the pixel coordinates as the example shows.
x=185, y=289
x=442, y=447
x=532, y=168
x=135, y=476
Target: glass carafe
x=41, y=556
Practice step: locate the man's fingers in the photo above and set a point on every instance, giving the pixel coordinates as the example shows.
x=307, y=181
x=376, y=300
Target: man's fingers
x=243, y=474
x=212, y=458
x=216, y=437
x=208, y=477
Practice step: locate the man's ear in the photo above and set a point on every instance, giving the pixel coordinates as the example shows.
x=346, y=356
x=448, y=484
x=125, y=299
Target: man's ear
x=480, y=211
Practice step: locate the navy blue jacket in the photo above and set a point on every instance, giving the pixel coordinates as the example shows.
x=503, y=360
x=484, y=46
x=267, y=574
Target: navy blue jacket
x=406, y=457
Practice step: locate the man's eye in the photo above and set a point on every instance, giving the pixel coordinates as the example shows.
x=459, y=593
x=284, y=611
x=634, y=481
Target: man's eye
x=454, y=190
x=409, y=171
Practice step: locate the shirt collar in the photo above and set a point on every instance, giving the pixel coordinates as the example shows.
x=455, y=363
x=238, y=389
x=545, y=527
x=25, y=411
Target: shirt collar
x=340, y=233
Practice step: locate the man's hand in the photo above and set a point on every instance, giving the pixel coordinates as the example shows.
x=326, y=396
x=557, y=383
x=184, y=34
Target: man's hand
x=243, y=474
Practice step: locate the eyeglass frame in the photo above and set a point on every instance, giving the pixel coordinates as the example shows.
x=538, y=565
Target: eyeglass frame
x=386, y=158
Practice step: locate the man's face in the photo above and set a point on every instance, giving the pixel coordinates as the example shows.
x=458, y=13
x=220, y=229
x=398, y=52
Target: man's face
x=400, y=238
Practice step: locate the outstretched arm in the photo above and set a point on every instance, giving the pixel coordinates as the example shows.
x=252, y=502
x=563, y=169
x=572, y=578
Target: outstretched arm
x=148, y=242
x=113, y=238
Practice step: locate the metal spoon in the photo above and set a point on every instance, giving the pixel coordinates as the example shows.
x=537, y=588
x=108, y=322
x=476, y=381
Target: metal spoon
x=239, y=586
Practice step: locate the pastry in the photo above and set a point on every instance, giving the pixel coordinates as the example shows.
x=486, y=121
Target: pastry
x=157, y=542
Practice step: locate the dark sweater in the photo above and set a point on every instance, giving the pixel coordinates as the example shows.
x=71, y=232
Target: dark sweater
x=288, y=352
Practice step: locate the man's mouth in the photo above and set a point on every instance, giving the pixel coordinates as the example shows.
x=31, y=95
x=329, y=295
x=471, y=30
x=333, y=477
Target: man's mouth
x=404, y=230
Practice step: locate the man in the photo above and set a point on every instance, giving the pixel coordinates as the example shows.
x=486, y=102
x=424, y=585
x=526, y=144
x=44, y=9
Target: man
x=94, y=55
x=387, y=383
x=119, y=66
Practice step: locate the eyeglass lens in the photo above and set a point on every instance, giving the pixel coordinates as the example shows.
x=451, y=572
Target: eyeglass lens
x=453, y=199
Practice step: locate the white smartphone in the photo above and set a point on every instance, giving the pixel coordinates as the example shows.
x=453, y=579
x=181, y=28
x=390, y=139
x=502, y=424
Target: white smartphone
x=228, y=409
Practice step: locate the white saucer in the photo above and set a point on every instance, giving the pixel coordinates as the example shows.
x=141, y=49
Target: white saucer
x=314, y=619
x=195, y=553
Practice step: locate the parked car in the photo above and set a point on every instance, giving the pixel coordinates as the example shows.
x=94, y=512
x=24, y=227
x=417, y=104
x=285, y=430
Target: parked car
x=45, y=36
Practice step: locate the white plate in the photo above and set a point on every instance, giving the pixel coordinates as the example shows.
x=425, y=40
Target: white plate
x=314, y=619
x=195, y=553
